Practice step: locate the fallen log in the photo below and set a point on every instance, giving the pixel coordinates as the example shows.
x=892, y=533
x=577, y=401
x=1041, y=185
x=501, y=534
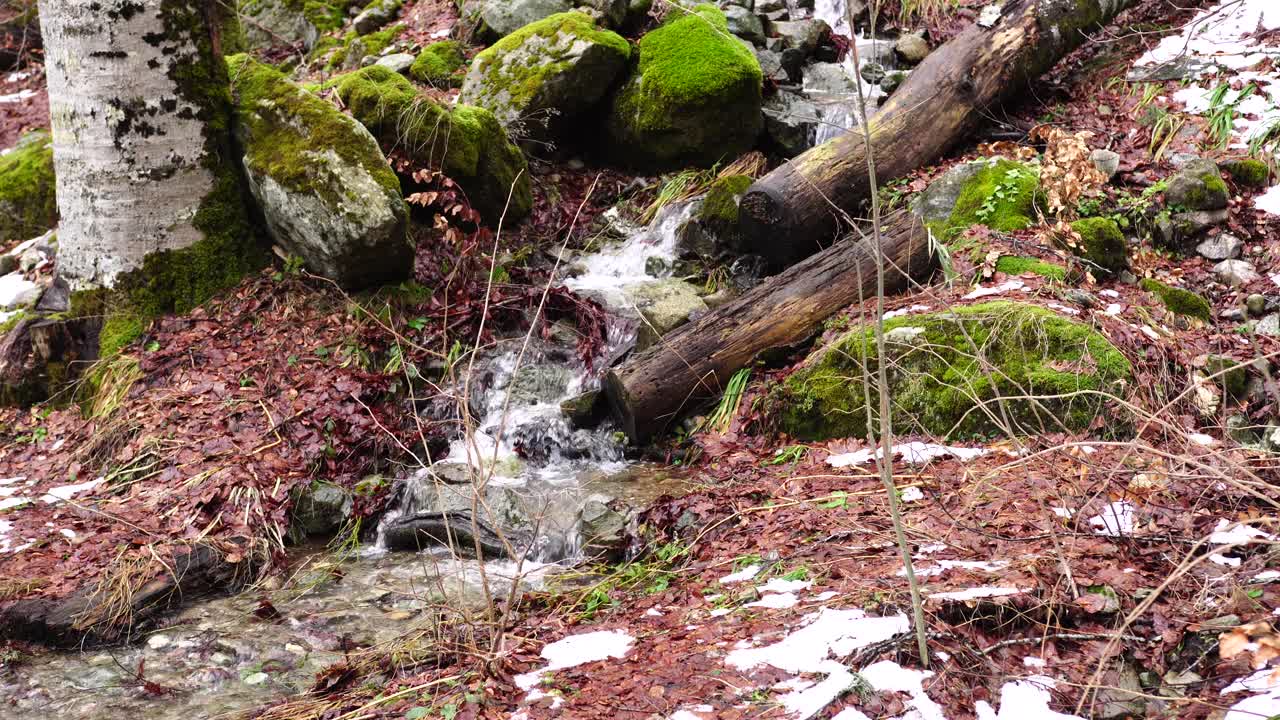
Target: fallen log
x=795, y=210
x=692, y=364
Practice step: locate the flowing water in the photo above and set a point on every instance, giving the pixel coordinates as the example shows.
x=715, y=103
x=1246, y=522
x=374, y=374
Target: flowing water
x=233, y=653
x=832, y=87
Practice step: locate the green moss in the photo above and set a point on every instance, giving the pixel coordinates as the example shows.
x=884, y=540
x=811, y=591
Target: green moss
x=325, y=15
x=440, y=64
x=28, y=206
x=467, y=143
x=1231, y=376
x=1103, y=245
x=1248, y=172
x=1003, y=195
x=694, y=99
x=1017, y=265
x=12, y=321
x=721, y=203
x=1177, y=300
x=270, y=109
x=945, y=380
x=351, y=48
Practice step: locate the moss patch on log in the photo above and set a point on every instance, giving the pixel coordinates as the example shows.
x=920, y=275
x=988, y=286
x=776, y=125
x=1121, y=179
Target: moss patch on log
x=950, y=371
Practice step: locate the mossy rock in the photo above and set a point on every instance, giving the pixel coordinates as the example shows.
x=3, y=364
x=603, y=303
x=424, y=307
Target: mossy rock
x=320, y=180
x=694, y=99
x=546, y=74
x=1018, y=265
x=950, y=368
x=440, y=64
x=1002, y=194
x=713, y=229
x=274, y=22
x=1102, y=245
x=352, y=48
x=28, y=205
x=1179, y=301
x=467, y=143
x=1248, y=172
x=1197, y=186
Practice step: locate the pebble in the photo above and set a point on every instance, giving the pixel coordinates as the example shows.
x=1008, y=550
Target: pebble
x=1235, y=272
x=1257, y=304
x=155, y=642
x=255, y=679
x=1224, y=246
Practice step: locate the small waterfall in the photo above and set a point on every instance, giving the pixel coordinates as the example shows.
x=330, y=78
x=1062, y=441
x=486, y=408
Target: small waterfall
x=832, y=87
x=525, y=465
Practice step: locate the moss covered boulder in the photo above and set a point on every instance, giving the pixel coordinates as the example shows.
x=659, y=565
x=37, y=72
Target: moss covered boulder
x=268, y=23
x=467, y=143
x=1248, y=172
x=28, y=206
x=959, y=373
x=440, y=64
x=694, y=98
x=1102, y=246
x=1180, y=301
x=546, y=74
x=1197, y=186
x=999, y=193
x=320, y=180
x=712, y=230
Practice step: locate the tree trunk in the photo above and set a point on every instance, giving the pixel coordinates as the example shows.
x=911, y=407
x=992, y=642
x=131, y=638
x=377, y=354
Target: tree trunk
x=789, y=214
x=692, y=364
x=139, y=104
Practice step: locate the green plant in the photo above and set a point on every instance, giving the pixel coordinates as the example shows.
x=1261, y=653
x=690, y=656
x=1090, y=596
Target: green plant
x=788, y=454
x=1005, y=189
x=839, y=500
x=720, y=418
x=1265, y=142
x=1222, y=114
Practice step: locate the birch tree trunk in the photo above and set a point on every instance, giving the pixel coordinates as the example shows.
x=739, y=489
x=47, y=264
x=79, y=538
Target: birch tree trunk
x=139, y=104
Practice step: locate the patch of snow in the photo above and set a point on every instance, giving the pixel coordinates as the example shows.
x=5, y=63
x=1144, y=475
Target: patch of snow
x=16, y=290
x=906, y=311
x=976, y=593
x=1062, y=308
x=577, y=650
x=779, y=585
x=68, y=533
x=914, y=452
x=1062, y=512
x=720, y=612
x=1202, y=440
x=945, y=565
x=1266, y=576
x=912, y=494
x=12, y=480
x=1264, y=704
x=1033, y=661
x=1269, y=201
x=776, y=601
x=742, y=575
x=1221, y=559
x=930, y=549
x=692, y=713
x=1109, y=293
x=17, y=97
x=1007, y=286
x=17, y=76
x=1229, y=533
x=889, y=676
x=1113, y=309
x=1220, y=35
x=65, y=492
x=13, y=502
x=825, y=595
x=1026, y=699
x=850, y=714
x=942, y=655
x=653, y=612
x=825, y=633
x=1115, y=520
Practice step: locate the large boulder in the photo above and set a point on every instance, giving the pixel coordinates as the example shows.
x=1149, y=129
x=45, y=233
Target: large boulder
x=27, y=203
x=694, y=99
x=268, y=23
x=466, y=142
x=947, y=369
x=1197, y=186
x=547, y=73
x=999, y=193
x=499, y=18
x=322, y=184
x=663, y=305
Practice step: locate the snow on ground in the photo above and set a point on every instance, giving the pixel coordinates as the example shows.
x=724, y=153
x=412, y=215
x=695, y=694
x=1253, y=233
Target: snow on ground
x=915, y=453
x=577, y=650
x=945, y=565
x=889, y=676
x=1026, y=699
x=1265, y=703
x=742, y=575
x=1115, y=520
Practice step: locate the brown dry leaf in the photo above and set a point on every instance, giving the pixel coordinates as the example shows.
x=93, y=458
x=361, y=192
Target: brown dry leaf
x=1008, y=149
x=1066, y=172
x=1257, y=638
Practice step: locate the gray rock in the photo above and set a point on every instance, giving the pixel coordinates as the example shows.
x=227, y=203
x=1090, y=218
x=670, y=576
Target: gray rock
x=375, y=15
x=1269, y=325
x=745, y=24
x=275, y=22
x=1122, y=695
x=828, y=79
x=873, y=72
x=584, y=409
x=1235, y=272
x=804, y=35
x=912, y=48
x=613, y=13
x=748, y=4
x=793, y=61
x=1255, y=304
x=396, y=62
x=768, y=6
x=562, y=73
x=939, y=199
x=603, y=528
x=1197, y=186
x=1106, y=161
x=534, y=384
x=1224, y=246
x=337, y=205
x=664, y=305
x=771, y=65
x=892, y=81
x=322, y=508
x=790, y=122
x=503, y=17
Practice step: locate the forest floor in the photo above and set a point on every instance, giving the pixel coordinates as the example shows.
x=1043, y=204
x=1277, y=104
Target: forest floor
x=1101, y=578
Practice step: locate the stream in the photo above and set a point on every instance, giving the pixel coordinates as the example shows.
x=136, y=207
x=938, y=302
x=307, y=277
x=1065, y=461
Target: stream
x=537, y=473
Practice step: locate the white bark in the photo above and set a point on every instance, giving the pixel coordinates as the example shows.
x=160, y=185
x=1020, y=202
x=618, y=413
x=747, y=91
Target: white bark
x=129, y=150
